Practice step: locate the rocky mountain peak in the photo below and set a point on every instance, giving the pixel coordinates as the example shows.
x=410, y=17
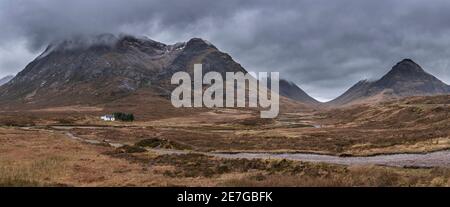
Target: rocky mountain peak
x=406, y=71
x=407, y=66
x=140, y=42
x=199, y=44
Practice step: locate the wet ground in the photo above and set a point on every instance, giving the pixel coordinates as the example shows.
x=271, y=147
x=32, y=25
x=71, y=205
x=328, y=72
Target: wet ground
x=432, y=159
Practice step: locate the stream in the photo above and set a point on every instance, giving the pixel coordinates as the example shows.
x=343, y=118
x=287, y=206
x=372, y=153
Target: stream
x=432, y=159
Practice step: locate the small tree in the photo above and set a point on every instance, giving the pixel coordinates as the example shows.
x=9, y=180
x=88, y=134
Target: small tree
x=123, y=116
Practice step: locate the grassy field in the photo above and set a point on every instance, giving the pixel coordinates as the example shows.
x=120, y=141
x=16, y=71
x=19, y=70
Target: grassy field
x=30, y=158
x=35, y=149
x=51, y=160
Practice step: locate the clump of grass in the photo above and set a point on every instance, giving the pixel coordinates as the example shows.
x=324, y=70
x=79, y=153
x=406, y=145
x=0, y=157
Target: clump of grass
x=440, y=109
x=151, y=143
x=130, y=149
x=256, y=121
x=17, y=122
x=66, y=121
x=161, y=143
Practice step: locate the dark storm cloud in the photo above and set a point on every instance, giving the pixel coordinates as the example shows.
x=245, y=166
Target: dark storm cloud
x=325, y=46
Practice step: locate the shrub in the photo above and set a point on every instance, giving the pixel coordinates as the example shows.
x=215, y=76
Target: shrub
x=123, y=116
x=161, y=143
x=17, y=123
x=130, y=149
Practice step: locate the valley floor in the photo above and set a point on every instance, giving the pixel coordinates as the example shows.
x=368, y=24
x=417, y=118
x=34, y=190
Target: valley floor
x=38, y=158
x=217, y=148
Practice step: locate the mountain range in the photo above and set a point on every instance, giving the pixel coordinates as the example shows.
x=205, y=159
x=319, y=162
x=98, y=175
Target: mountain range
x=92, y=70
x=106, y=68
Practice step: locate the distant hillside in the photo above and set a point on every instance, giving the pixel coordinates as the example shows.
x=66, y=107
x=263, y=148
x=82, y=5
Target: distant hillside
x=418, y=111
x=5, y=79
x=292, y=91
x=405, y=79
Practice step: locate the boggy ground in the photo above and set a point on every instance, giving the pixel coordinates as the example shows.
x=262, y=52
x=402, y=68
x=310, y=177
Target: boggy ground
x=362, y=131
x=35, y=149
x=46, y=158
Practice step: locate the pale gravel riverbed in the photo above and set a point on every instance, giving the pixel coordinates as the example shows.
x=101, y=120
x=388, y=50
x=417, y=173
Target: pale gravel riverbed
x=433, y=159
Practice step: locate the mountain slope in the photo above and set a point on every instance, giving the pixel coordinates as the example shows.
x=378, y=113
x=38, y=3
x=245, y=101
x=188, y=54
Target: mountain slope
x=5, y=79
x=291, y=90
x=405, y=79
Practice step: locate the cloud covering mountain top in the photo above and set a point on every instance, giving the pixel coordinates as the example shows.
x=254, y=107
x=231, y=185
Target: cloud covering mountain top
x=324, y=46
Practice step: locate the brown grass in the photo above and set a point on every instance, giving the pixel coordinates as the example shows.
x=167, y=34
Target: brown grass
x=287, y=173
x=364, y=176
x=35, y=173
x=46, y=158
x=43, y=156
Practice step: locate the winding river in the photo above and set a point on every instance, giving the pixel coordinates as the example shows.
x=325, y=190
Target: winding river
x=432, y=159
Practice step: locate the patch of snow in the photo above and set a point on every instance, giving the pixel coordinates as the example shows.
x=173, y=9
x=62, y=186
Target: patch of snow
x=177, y=46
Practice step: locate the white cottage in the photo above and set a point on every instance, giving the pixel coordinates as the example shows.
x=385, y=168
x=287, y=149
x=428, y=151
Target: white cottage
x=108, y=118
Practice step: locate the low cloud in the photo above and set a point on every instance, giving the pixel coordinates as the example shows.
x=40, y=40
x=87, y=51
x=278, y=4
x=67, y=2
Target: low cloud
x=323, y=46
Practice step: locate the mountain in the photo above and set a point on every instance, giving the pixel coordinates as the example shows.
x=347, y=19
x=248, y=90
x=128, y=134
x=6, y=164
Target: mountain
x=5, y=79
x=405, y=79
x=105, y=69
x=291, y=90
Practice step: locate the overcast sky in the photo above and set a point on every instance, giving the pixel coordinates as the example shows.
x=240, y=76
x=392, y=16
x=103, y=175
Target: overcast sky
x=325, y=46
